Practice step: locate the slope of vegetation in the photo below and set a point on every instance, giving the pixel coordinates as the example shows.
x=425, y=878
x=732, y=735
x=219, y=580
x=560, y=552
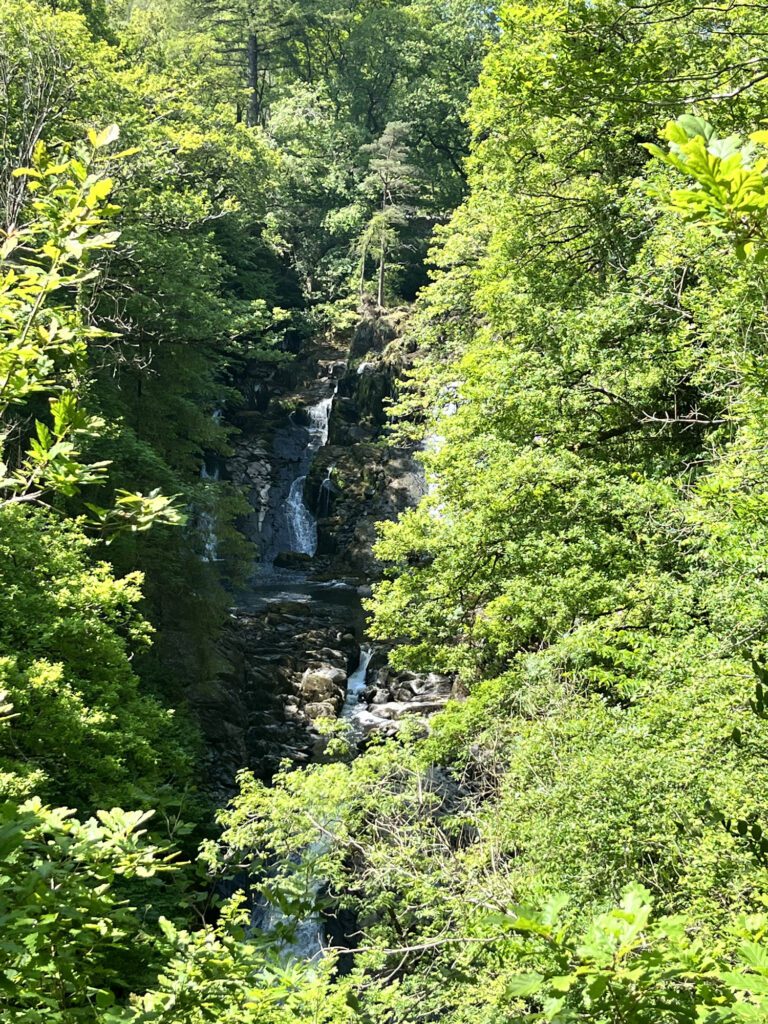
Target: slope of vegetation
x=583, y=836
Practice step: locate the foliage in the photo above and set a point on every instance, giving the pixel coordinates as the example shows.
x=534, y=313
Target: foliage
x=588, y=562
x=82, y=731
x=731, y=195
x=221, y=975
x=390, y=181
x=75, y=940
x=587, y=559
x=65, y=876
x=325, y=79
x=44, y=346
x=632, y=968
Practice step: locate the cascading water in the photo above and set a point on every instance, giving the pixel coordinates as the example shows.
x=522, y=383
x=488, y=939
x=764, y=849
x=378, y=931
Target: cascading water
x=326, y=491
x=361, y=720
x=307, y=937
x=320, y=419
x=206, y=519
x=300, y=523
x=356, y=685
x=302, y=527
x=296, y=619
x=292, y=529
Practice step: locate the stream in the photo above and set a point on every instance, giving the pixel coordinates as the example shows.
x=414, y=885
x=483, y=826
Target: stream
x=308, y=936
x=317, y=477
x=293, y=531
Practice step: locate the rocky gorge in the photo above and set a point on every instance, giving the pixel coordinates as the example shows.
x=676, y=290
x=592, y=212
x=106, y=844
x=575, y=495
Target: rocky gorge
x=314, y=459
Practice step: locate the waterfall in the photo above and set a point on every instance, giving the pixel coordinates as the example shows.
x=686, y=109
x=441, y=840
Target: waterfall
x=320, y=422
x=206, y=519
x=301, y=524
x=356, y=685
x=210, y=539
x=326, y=491
x=308, y=935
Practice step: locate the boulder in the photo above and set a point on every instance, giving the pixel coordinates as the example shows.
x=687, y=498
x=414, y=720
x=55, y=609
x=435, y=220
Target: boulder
x=322, y=709
x=432, y=684
x=323, y=684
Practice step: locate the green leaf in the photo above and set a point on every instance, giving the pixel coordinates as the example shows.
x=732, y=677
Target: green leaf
x=103, y=138
x=525, y=984
x=168, y=930
x=753, y=983
x=756, y=955
x=693, y=126
x=99, y=191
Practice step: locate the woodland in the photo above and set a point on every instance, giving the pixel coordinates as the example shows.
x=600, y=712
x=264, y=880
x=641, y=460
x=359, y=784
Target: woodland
x=567, y=203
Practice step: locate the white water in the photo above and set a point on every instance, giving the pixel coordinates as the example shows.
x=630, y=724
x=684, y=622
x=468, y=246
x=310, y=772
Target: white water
x=302, y=527
x=307, y=937
x=356, y=685
x=207, y=519
x=326, y=490
x=319, y=422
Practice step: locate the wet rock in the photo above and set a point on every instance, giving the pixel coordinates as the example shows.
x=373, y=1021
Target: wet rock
x=433, y=684
x=400, y=709
x=293, y=560
x=380, y=676
x=374, y=726
x=328, y=654
x=323, y=684
x=289, y=655
x=250, y=469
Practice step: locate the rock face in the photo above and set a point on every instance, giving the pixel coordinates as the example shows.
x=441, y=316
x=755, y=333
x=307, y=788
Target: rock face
x=289, y=664
x=311, y=451
x=358, y=479
x=250, y=469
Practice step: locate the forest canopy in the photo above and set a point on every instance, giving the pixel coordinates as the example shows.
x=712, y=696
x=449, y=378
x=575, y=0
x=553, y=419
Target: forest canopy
x=567, y=203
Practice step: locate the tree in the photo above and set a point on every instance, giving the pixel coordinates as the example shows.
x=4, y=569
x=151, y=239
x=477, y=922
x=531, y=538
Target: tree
x=45, y=345
x=68, y=877
x=392, y=179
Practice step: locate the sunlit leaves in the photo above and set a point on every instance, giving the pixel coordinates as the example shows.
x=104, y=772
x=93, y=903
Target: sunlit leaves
x=732, y=194
x=630, y=965
x=44, y=340
x=62, y=918
x=108, y=135
x=137, y=512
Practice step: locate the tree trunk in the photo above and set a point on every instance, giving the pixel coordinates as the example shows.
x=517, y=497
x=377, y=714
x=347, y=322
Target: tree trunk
x=254, y=101
x=382, y=271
